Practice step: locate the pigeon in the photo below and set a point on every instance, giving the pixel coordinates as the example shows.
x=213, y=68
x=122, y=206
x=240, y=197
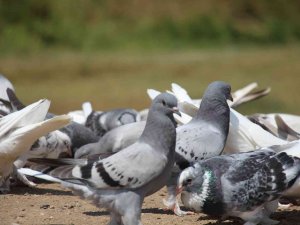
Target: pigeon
x=113, y=141
x=245, y=185
x=203, y=137
x=121, y=181
x=18, y=132
x=101, y=122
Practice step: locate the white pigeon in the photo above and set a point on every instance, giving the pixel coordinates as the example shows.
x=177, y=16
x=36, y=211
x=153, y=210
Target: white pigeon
x=19, y=130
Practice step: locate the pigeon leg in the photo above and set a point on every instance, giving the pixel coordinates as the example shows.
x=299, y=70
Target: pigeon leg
x=250, y=223
x=21, y=177
x=269, y=208
x=172, y=203
x=180, y=212
x=4, y=182
x=259, y=216
x=129, y=206
x=253, y=217
x=171, y=199
x=115, y=219
x=4, y=186
x=267, y=221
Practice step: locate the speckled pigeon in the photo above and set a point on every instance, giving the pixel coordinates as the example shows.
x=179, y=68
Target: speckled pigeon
x=245, y=185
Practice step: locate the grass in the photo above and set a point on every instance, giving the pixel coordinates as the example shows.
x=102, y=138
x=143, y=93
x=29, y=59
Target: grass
x=120, y=79
x=31, y=26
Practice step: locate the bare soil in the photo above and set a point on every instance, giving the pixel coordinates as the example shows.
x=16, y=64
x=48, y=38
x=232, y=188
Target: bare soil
x=51, y=204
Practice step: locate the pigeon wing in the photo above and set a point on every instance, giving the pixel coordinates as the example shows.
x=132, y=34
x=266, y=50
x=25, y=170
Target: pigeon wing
x=132, y=167
x=261, y=177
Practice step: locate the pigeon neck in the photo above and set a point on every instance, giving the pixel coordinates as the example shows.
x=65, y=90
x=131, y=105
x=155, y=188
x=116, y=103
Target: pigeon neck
x=160, y=131
x=216, y=111
x=213, y=201
x=207, y=199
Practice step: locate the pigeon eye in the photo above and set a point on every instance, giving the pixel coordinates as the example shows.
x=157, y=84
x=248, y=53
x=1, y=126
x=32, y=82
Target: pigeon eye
x=164, y=103
x=189, y=181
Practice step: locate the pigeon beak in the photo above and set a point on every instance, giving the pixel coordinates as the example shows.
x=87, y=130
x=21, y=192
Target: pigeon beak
x=176, y=111
x=230, y=97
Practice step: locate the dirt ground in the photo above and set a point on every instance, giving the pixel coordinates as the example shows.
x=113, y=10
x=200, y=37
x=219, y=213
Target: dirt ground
x=51, y=204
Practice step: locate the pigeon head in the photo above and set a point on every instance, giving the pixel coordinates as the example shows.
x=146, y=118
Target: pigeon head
x=218, y=89
x=214, y=106
x=165, y=103
x=197, y=186
x=189, y=178
x=160, y=124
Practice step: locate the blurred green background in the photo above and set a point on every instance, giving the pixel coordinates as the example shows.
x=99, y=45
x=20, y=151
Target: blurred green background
x=109, y=52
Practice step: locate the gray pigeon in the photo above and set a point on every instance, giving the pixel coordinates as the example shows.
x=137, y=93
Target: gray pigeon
x=246, y=185
x=203, y=137
x=120, y=182
x=102, y=122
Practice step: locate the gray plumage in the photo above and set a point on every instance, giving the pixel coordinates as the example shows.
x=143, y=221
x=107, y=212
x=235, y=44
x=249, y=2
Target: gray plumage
x=114, y=140
x=204, y=136
x=102, y=122
x=120, y=182
x=245, y=185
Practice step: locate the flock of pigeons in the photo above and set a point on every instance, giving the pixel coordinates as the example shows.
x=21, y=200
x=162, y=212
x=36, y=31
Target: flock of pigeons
x=221, y=162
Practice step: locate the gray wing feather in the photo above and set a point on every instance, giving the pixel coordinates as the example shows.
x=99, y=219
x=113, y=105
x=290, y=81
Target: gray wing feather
x=131, y=168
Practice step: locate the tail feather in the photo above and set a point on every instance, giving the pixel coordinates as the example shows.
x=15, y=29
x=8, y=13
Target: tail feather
x=284, y=129
x=284, y=170
x=58, y=162
x=15, y=102
x=37, y=174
